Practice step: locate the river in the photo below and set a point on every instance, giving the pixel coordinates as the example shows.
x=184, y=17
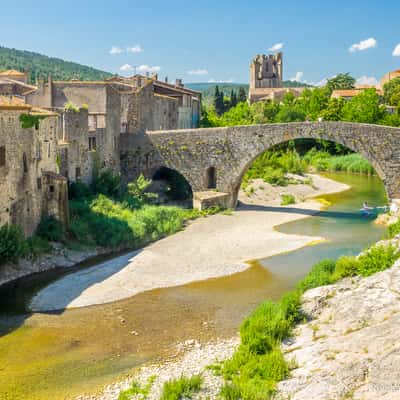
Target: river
x=60, y=355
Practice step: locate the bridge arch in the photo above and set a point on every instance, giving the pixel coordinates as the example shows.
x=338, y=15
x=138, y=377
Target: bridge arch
x=231, y=150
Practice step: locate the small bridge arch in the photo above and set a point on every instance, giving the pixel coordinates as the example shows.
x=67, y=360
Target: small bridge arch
x=228, y=152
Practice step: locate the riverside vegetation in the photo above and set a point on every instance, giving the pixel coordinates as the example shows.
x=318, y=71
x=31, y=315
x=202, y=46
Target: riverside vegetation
x=108, y=214
x=258, y=363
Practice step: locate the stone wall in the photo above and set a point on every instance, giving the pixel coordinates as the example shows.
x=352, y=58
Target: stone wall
x=231, y=151
x=26, y=156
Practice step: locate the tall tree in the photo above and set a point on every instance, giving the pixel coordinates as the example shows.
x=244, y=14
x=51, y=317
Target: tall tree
x=219, y=101
x=341, y=81
x=242, y=95
x=365, y=107
x=233, y=98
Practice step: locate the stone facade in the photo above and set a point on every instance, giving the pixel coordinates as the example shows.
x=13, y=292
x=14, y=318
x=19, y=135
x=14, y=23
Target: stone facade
x=266, y=71
x=103, y=102
x=230, y=151
x=30, y=185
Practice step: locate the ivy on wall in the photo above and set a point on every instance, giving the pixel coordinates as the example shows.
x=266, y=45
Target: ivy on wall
x=30, y=121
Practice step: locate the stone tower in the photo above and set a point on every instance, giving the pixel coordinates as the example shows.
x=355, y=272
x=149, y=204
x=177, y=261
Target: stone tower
x=266, y=71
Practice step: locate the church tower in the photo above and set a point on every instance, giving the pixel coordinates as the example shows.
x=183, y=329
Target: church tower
x=266, y=71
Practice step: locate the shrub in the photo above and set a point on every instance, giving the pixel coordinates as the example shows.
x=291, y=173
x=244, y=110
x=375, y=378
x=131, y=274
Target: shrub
x=320, y=275
x=51, y=229
x=181, y=388
x=287, y=199
x=394, y=229
x=36, y=245
x=107, y=183
x=70, y=106
x=345, y=266
x=12, y=243
x=78, y=190
x=137, y=391
x=377, y=258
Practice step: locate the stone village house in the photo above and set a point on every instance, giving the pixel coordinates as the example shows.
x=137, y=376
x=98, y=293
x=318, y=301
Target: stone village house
x=69, y=143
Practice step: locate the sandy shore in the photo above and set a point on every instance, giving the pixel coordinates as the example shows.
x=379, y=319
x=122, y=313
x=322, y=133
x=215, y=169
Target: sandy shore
x=209, y=247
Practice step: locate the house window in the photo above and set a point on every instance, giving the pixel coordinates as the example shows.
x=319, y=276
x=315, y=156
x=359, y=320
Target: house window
x=51, y=188
x=77, y=173
x=92, y=143
x=25, y=163
x=92, y=122
x=39, y=183
x=2, y=156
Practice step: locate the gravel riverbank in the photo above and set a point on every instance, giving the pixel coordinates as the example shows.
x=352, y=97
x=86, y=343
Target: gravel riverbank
x=209, y=247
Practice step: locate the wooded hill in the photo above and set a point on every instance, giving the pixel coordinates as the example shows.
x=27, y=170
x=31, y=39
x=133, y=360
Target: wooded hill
x=39, y=66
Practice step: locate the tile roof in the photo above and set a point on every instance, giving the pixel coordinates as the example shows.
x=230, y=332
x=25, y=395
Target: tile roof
x=12, y=72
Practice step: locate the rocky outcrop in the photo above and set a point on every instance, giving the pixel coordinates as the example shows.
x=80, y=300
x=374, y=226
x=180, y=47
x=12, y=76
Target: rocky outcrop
x=349, y=349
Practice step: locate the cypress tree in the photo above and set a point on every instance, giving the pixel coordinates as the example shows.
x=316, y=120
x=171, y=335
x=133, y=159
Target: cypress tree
x=242, y=95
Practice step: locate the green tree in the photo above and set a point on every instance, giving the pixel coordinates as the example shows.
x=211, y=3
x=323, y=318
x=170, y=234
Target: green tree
x=392, y=92
x=242, y=97
x=234, y=99
x=341, y=81
x=365, y=107
x=334, y=109
x=219, y=101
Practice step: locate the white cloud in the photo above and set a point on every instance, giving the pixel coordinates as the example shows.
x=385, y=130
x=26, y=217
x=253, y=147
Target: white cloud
x=396, y=51
x=363, y=45
x=116, y=50
x=298, y=77
x=147, y=68
x=135, y=49
x=221, y=81
x=276, y=47
x=126, y=68
x=367, y=80
x=197, y=72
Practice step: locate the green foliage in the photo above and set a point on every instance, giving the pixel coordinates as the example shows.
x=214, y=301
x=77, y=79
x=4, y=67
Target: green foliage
x=136, y=192
x=137, y=391
x=51, y=229
x=182, y=388
x=394, y=229
x=341, y=81
x=71, y=107
x=287, y=199
x=12, y=243
x=271, y=166
x=40, y=66
x=79, y=190
x=320, y=275
x=377, y=258
x=323, y=161
x=30, y=121
x=345, y=266
x=365, y=108
x=36, y=246
x=392, y=92
x=107, y=183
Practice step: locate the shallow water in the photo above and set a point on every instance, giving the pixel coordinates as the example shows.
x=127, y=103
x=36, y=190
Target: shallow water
x=60, y=355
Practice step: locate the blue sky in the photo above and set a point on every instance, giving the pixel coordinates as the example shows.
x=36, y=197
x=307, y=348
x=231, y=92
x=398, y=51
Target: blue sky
x=202, y=41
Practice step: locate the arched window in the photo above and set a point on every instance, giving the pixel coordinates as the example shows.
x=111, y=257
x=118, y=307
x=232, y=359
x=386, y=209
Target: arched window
x=211, y=178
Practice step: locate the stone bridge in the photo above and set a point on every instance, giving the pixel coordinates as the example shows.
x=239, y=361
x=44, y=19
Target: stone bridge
x=217, y=158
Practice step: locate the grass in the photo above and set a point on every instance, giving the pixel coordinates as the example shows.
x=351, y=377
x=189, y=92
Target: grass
x=137, y=391
x=182, y=388
x=258, y=364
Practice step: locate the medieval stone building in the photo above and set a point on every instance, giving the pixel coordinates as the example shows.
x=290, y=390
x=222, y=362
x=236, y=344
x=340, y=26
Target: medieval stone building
x=30, y=184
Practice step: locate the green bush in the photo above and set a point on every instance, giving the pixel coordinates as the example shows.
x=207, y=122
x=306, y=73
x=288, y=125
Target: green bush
x=394, y=229
x=287, y=199
x=51, y=229
x=345, y=266
x=181, y=388
x=320, y=275
x=377, y=258
x=12, y=243
x=107, y=183
x=137, y=391
x=78, y=190
x=36, y=245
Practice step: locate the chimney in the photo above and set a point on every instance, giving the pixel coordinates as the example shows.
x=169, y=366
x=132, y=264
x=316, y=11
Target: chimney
x=179, y=83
